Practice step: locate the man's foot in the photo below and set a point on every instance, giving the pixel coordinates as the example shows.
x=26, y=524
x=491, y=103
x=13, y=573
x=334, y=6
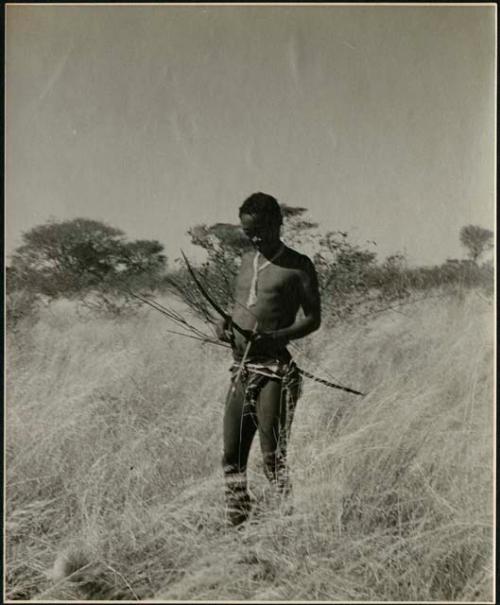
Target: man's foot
x=238, y=513
x=236, y=518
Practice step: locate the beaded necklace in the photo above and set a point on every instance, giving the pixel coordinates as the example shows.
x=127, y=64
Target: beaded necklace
x=252, y=295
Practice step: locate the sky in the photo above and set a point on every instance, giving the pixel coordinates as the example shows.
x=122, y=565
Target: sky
x=380, y=120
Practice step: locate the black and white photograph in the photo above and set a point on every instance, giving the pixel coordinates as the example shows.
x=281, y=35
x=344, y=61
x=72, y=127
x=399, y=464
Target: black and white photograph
x=250, y=295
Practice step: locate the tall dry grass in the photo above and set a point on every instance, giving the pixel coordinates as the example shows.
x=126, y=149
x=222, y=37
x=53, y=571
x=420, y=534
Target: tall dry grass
x=113, y=464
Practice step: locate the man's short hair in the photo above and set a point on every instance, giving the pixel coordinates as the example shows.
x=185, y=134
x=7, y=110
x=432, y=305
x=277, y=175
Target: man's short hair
x=263, y=204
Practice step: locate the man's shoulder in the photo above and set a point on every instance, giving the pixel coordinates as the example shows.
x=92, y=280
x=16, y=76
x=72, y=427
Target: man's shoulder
x=297, y=259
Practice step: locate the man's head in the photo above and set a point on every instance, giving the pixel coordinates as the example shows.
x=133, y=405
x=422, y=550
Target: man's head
x=263, y=205
x=261, y=220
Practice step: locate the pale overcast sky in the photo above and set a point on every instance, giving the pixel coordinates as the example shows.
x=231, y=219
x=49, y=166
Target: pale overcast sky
x=379, y=119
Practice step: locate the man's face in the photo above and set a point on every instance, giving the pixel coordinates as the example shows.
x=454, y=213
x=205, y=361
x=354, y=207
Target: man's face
x=260, y=231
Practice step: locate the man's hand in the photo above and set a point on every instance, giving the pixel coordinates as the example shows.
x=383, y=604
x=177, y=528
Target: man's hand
x=224, y=331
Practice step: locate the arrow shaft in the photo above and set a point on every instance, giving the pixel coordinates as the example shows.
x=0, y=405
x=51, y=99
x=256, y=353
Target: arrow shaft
x=333, y=385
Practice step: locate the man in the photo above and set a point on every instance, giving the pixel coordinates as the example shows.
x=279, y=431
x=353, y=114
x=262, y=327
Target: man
x=273, y=284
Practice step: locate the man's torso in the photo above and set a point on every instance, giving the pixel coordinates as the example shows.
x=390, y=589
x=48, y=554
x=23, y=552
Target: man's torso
x=279, y=295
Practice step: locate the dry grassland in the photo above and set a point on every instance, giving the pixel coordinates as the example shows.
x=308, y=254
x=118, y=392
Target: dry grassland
x=113, y=464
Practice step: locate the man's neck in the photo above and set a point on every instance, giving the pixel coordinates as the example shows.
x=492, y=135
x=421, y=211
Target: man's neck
x=272, y=249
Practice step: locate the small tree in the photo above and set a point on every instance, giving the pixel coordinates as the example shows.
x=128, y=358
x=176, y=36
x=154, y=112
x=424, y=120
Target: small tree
x=477, y=240
x=296, y=229
x=82, y=257
x=343, y=272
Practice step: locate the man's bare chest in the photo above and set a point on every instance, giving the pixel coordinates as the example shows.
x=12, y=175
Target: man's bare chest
x=271, y=279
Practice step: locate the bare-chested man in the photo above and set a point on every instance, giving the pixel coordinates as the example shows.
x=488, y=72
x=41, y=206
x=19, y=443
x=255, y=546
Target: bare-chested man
x=273, y=284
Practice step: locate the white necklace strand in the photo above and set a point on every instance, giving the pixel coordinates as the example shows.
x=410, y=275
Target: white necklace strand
x=252, y=295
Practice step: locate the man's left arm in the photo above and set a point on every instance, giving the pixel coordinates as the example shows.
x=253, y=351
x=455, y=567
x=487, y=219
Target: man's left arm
x=310, y=303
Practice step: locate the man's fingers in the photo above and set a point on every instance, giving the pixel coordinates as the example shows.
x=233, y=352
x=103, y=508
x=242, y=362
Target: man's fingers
x=256, y=336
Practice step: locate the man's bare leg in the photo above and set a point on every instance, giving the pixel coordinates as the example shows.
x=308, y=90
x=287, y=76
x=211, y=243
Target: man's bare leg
x=274, y=424
x=240, y=425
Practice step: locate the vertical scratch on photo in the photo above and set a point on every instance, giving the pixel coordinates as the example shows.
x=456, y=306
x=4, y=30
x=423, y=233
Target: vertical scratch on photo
x=56, y=74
